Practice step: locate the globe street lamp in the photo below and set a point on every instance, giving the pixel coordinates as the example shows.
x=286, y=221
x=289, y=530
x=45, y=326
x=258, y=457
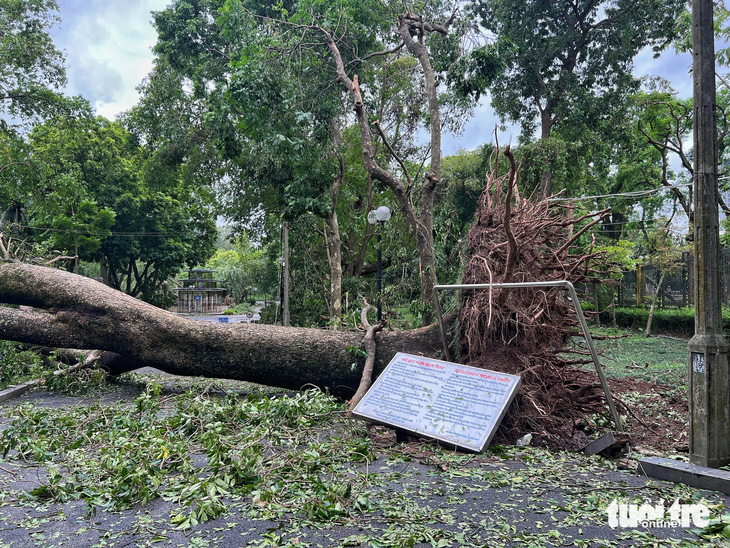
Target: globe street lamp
x=379, y=216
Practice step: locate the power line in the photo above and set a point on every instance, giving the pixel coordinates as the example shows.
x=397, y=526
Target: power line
x=632, y=194
x=105, y=233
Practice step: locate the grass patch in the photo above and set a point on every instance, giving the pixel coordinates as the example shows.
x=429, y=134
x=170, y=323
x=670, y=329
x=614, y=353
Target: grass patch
x=675, y=321
x=627, y=353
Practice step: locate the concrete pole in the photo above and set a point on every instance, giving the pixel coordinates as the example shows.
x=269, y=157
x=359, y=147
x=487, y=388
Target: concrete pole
x=285, y=318
x=709, y=390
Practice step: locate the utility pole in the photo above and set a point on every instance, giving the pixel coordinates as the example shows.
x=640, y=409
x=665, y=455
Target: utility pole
x=709, y=381
x=285, y=305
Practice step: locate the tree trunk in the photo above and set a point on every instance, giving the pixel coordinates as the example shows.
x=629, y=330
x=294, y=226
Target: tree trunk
x=79, y=312
x=647, y=331
x=613, y=310
x=334, y=250
x=546, y=120
x=285, y=317
x=334, y=257
x=420, y=223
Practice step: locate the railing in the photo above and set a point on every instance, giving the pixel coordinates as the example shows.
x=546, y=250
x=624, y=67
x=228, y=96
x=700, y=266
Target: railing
x=564, y=284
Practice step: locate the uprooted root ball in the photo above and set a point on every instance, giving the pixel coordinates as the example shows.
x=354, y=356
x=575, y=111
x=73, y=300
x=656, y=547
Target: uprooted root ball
x=526, y=331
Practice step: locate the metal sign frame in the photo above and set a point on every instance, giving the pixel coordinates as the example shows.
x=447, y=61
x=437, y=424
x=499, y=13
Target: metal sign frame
x=563, y=284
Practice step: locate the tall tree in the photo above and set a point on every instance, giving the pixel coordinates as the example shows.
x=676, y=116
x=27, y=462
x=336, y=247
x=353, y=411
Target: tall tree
x=567, y=64
x=427, y=38
x=267, y=81
x=273, y=139
x=30, y=65
x=31, y=70
x=87, y=198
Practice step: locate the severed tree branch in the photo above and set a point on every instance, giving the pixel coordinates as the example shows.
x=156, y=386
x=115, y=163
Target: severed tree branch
x=62, y=258
x=601, y=216
x=370, y=347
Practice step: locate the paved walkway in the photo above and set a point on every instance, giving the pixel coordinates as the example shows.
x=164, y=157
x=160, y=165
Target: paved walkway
x=523, y=497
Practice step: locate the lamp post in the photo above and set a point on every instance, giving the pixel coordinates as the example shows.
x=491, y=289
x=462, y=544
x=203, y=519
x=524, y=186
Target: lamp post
x=284, y=263
x=379, y=216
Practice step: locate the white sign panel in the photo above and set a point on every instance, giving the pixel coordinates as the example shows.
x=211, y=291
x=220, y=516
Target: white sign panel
x=458, y=404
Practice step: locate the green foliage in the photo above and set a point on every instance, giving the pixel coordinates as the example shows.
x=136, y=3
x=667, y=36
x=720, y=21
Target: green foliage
x=620, y=253
x=87, y=196
x=555, y=62
x=717, y=529
x=274, y=123
x=242, y=268
x=294, y=460
x=17, y=366
x=30, y=65
x=420, y=309
x=278, y=157
x=675, y=321
x=117, y=458
x=81, y=230
x=78, y=383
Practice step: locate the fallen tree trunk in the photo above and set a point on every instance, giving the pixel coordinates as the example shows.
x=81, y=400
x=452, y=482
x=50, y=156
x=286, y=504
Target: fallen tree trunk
x=71, y=311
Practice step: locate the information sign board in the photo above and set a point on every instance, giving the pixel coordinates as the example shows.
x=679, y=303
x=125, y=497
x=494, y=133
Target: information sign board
x=457, y=404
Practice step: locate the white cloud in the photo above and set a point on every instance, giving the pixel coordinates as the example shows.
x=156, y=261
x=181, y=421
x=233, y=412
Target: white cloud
x=674, y=67
x=108, y=50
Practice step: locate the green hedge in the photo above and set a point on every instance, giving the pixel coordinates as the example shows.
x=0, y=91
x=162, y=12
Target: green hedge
x=677, y=321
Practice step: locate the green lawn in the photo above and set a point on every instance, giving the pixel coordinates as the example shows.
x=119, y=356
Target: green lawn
x=627, y=353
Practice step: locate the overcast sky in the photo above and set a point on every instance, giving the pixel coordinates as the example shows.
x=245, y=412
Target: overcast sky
x=108, y=48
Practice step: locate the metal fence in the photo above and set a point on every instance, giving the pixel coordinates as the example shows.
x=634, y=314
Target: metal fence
x=676, y=287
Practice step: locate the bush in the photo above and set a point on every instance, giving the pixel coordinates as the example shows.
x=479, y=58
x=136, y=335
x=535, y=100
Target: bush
x=241, y=308
x=17, y=365
x=677, y=321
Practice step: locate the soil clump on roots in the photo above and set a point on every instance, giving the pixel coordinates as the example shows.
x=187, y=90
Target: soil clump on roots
x=527, y=331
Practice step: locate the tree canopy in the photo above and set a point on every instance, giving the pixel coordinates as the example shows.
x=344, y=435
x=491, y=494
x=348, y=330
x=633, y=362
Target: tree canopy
x=312, y=114
x=31, y=67
x=567, y=64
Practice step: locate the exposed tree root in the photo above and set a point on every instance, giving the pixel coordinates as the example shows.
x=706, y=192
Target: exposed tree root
x=522, y=331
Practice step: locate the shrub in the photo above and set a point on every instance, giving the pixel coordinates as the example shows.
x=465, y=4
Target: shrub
x=677, y=321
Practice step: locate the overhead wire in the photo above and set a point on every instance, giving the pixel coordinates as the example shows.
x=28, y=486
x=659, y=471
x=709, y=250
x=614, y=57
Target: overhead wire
x=101, y=233
x=632, y=194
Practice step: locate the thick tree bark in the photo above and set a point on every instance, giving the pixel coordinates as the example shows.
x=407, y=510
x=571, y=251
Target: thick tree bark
x=71, y=311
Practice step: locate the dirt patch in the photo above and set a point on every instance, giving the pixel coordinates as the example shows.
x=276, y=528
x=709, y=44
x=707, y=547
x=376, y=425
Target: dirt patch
x=656, y=415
